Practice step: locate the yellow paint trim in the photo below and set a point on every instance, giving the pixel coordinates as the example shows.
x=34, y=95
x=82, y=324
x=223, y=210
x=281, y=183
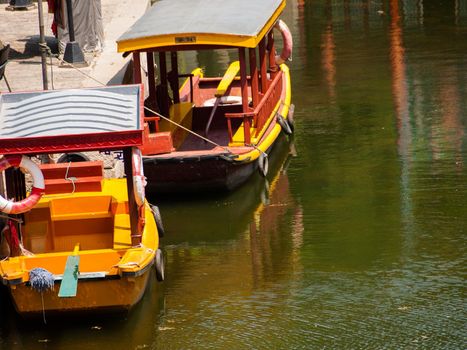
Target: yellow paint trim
x=195, y=72
x=182, y=114
x=227, y=79
x=197, y=39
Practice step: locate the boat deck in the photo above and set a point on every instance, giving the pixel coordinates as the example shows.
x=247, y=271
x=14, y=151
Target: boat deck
x=194, y=143
x=92, y=220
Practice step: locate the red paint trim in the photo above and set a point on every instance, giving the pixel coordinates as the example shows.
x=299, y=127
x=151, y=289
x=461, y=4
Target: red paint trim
x=82, y=142
x=263, y=65
x=69, y=143
x=254, y=77
x=37, y=191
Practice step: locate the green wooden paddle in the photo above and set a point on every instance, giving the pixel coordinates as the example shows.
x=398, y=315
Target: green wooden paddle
x=69, y=285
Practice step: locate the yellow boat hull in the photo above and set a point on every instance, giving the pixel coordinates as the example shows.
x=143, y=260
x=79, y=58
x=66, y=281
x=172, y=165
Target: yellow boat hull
x=108, y=294
x=113, y=274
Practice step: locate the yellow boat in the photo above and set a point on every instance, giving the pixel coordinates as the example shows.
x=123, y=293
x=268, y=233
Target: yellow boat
x=76, y=241
x=209, y=133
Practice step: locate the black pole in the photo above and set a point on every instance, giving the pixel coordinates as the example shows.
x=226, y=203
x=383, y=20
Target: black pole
x=42, y=46
x=71, y=26
x=73, y=53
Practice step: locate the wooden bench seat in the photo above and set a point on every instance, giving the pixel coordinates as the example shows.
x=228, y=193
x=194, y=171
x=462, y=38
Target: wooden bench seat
x=73, y=177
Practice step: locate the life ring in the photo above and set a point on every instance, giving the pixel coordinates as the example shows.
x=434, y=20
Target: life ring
x=263, y=164
x=139, y=180
x=158, y=219
x=290, y=119
x=284, y=124
x=23, y=162
x=288, y=42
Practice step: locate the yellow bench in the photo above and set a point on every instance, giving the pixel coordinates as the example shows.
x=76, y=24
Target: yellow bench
x=180, y=113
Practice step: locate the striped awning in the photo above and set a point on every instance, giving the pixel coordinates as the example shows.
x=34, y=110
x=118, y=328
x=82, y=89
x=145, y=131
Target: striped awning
x=84, y=116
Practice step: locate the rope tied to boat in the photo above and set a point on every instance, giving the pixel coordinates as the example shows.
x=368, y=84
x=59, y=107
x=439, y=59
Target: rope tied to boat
x=48, y=51
x=72, y=178
x=65, y=63
x=260, y=151
x=190, y=131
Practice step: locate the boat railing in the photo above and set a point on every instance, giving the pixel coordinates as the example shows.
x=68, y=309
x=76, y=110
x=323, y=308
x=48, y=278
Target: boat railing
x=261, y=114
x=268, y=104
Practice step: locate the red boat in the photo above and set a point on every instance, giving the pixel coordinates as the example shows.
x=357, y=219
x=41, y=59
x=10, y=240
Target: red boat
x=210, y=133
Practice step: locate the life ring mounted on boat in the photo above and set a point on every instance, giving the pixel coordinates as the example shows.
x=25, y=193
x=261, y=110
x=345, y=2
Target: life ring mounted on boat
x=286, y=53
x=139, y=180
x=263, y=164
x=38, y=187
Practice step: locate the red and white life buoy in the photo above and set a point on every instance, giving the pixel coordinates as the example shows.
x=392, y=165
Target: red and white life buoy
x=139, y=180
x=23, y=162
x=288, y=42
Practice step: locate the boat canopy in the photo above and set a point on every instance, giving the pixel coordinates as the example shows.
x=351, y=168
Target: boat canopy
x=169, y=23
x=71, y=120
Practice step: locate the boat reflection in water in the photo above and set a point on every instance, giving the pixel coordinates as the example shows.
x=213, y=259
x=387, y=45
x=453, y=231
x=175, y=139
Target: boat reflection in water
x=205, y=280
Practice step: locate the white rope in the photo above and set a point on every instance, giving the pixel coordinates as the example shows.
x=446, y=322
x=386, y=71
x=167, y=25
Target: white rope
x=72, y=179
x=49, y=52
x=258, y=149
x=23, y=250
x=186, y=129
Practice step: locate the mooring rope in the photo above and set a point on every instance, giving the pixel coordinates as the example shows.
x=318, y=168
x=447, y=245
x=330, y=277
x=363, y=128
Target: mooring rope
x=63, y=62
x=49, y=53
x=258, y=149
x=186, y=129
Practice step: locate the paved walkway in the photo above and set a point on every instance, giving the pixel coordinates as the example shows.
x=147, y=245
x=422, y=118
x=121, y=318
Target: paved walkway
x=21, y=30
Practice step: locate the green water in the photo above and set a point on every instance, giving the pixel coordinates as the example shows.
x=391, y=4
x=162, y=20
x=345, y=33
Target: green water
x=357, y=239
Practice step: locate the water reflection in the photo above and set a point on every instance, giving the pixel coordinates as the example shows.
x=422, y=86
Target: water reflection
x=233, y=280
x=328, y=47
x=401, y=106
x=266, y=232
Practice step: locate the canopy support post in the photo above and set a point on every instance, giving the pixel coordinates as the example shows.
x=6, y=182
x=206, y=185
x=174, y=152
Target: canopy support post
x=151, y=77
x=163, y=93
x=263, y=65
x=136, y=68
x=151, y=101
x=173, y=79
x=272, y=55
x=132, y=206
x=254, y=77
x=244, y=89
